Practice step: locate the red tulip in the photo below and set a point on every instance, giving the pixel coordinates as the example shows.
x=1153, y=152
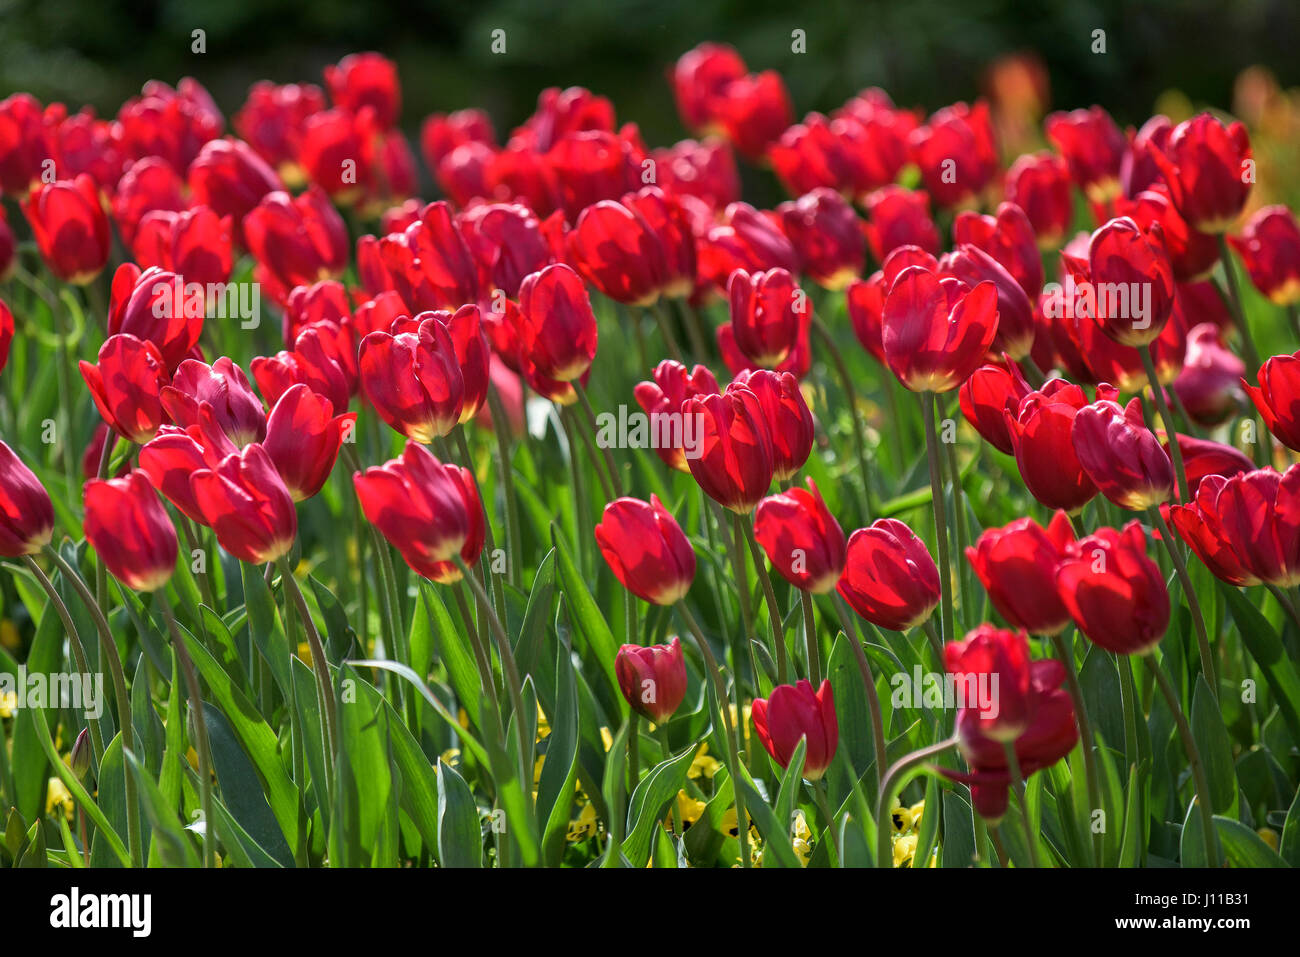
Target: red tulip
x=194, y=244
x=441, y=133
x=646, y=550
x=26, y=513
x=1209, y=169
x=937, y=332
x=169, y=123
x=617, y=252
x=171, y=458
x=794, y=712
x=899, y=217
x=70, y=227
x=1041, y=440
x=324, y=301
x=557, y=327
x=699, y=76
x=987, y=395
x=705, y=170
x=1276, y=398
x=317, y=361
x=752, y=111
x=1269, y=246
x=767, y=312
x=1201, y=526
x=147, y=186
x=1138, y=170
x=428, y=511
x=1209, y=385
x=1039, y=183
x=789, y=421
x=1126, y=284
x=668, y=220
x=593, y=165
x=129, y=529
x=735, y=461
x=1257, y=515
x=272, y=119
x=245, y=502
x=956, y=152
x=152, y=305
x=297, y=241
x=414, y=380
x=1015, y=322
x=1016, y=565
x=1009, y=239
x=664, y=396
x=865, y=299
x=223, y=389
x=366, y=80
x=889, y=577
x=127, y=385
x=801, y=538
x=303, y=438
x=1093, y=146
x=507, y=244
x=1114, y=592
x=1120, y=454
x=6, y=333
x=1203, y=458
x=745, y=239
x=83, y=143
x=652, y=679
x=231, y=179
x=337, y=153
x=1000, y=656
x=1191, y=254
x=827, y=235
x=23, y=146
x=815, y=154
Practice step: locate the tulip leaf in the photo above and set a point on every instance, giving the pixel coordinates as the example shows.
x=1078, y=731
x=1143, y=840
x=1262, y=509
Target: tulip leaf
x=173, y=844
x=1243, y=847
x=791, y=783
x=455, y=654
x=363, y=784
x=600, y=643
x=1215, y=746
x=1265, y=646
x=264, y=627
x=1290, y=844
x=650, y=803
x=560, y=770
x=241, y=790
x=460, y=835
x=532, y=633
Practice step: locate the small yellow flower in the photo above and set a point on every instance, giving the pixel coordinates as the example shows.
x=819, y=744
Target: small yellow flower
x=8, y=704
x=802, y=839
x=537, y=769
x=904, y=849
x=57, y=796
x=543, y=724
x=585, y=825
x=703, y=766
x=9, y=636
x=451, y=757
x=688, y=809
x=304, y=653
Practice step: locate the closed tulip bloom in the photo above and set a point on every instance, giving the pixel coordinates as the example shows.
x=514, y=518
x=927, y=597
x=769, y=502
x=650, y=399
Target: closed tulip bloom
x=556, y=325
x=23, y=146
x=245, y=502
x=672, y=385
x=195, y=244
x=1015, y=322
x=1138, y=170
x=303, y=438
x=671, y=225
x=148, y=185
x=617, y=252
x=146, y=305
x=889, y=577
x=827, y=235
x=414, y=380
x=6, y=333
x=1200, y=525
x=128, y=527
x=271, y=121
x=231, y=179
x=996, y=652
x=1126, y=282
x=789, y=420
x=735, y=461
x=899, y=217
x=506, y=242
x=960, y=135
x=296, y=240
x=366, y=80
x=428, y=511
x=700, y=75
x=26, y=513
x=767, y=312
x=1209, y=385
x=987, y=395
x=1042, y=442
x=1205, y=165
x=469, y=342
x=1114, y=592
x=1016, y=565
x=1093, y=146
x=753, y=111
x=1192, y=254
x=801, y=538
x=1259, y=516
x=169, y=460
x=1121, y=455
x=1269, y=247
x=1039, y=183
x=314, y=362
x=705, y=170
x=1203, y=458
x=937, y=332
x=646, y=549
x=224, y=389
x=126, y=385
x=70, y=228
x=1008, y=238
x=1278, y=397
x=652, y=679
x=744, y=238
x=794, y=712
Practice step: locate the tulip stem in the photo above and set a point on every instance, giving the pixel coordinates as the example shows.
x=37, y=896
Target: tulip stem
x=1193, y=603
x=633, y=751
x=824, y=808
x=959, y=522
x=1018, y=785
x=320, y=664
x=1193, y=758
x=661, y=730
x=501, y=430
x=666, y=330
x=811, y=642
x=895, y=778
x=745, y=643
x=940, y=512
x=869, y=682
x=489, y=541
x=203, y=746
x=615, y=482
x=1233, y=299
x=773, y=612
x=1166, y=419
x=1066, y=657
x=192, y=542
x=733, y=760
x=850, y=397
x=108, y=653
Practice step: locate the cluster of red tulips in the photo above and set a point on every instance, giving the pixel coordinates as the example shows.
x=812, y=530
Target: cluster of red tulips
x=458, y=322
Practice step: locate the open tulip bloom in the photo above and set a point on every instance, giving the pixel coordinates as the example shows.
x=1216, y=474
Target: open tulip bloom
x=580, y=515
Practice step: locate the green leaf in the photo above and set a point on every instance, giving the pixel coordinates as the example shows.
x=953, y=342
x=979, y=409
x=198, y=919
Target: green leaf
x=1264, y=645
x=460, y=836
x=1243, y=847
x=1215, y=746
x=650, y=802
x=586, y=615
x=241, y=789
x=560, y=770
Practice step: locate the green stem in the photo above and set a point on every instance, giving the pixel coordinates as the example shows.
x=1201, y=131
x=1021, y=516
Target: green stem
x=1194, y=603
x=824, y=809
x=666, y=330
x=769, y=597
x=892, y=786
x=1171, y=433
x=1018, y=785
x=501, y=431
x=1066, y=657
x=850, y=397
x=812, y=646
x=320, y=664
x=940, y=513
x=869, y=683
x=1234, y=303
x=615, y=480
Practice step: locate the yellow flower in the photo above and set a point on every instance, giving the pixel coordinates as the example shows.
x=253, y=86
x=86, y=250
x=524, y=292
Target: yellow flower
x=907, y=819
x=9, y=637
x=462, y=718
x=58, y=797
x=304, y=653
x=802, y=839
x=543, y=725
x=703, y=765
x=688, y=809
x=451, y=757
x=585, y=825
x=537, y=769
x=607, y=738
x=8, y=703
x=904, y=849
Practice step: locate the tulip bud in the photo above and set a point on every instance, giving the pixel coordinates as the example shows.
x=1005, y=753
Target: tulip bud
x=303, y=438
x=1017, y=567
x=672, y=385
x=1269, y=246
x=1039, y=183
x=221, y=388
x=994, y=654
x=889, y=577
x=1093, y=146
x=960, y=135
x=1209, y=385
x=646, y=549
x=1120, y=454
x=127, y=385
x=1114, y=592
x=1276, y=397
x=414, y=380
x=79, y=759
x=792, y=712
x=990, y=392
x=735, y=462
x=827, y=235
x=556, y=325
x=1041, y=439
x=70, y=228
x=1204, y=164
x=26, y=513
x=789, y=421
x=801, y=538
x=937, y=332
x=653, y=679
x=899, y=217
x=129, y=528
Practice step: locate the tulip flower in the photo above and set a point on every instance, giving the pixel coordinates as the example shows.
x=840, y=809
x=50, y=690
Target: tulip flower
x=865, y=299
x=646, y=549
x=801, y=538
x=272, y=119
x=1041, y=440
x=26, y=513
x=414, y=380
x=1208, y=168
x=366, y=80
x=899, y=217
x=337, y=153
x=317, y=360
x=148, y=185
x=671, y=225
x=127, y=385
x=6, y=333
x=1008, y=239
x=989, y=652
x=231, y=179
x=794, y=712
x=1039, y=183
x=593, y=165
x=1276, y=397
x=1138, y=170
x=246, y=503
x=1269, y=247
x=1016, y=565
x=506, y=242
x=1093, y=146
x=700, y=75
x=1209, y=385
x=789, y=421
x=987, y=395
x=652, y=679
x=615, y=249
x=1192, y=254
x=672, y=385
x=303, y=438
x=169, y=460
x=1121, y=455
x=752, y=111
x=296, y=240
x=194, y=244
x=1256, y=514
x=441, y=133
x=23, y=148
x=1126, y=283
x=827, y=235
x=1015, y=324
x=745, y=239
x=889, y=577
x=1203, y=458
x=152, y=306
x=128, y=527
x=735, y=463
x=937, y=332
x=169, y=123
x=557, y=327
x=1200, y=525
x=767, y=312
x=705, y=170
x=223, y=389
x=430, y=512
x=70, y=228
x=1114, y=592
x=956, y=152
